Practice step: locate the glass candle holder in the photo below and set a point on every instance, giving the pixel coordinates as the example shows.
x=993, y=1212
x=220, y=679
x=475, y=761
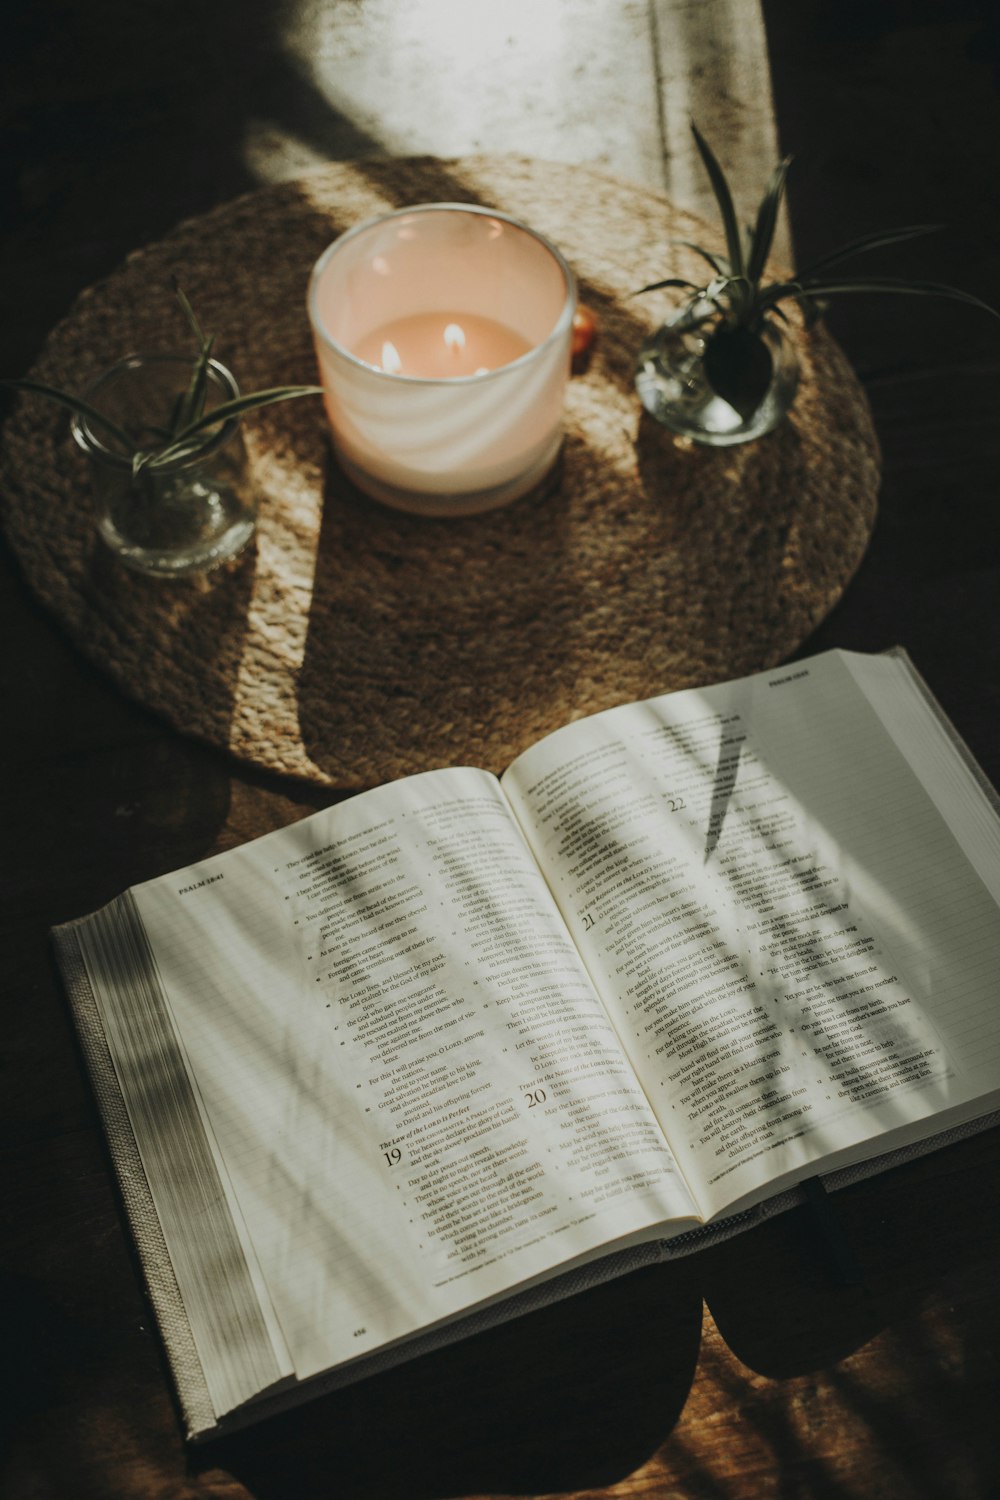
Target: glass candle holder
x=443, y=338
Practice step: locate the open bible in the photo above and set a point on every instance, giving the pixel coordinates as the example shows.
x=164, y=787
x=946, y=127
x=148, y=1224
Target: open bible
x=461, y=1044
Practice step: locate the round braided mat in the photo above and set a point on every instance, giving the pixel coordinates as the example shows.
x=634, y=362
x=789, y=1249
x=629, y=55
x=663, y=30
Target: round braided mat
x=352, y=644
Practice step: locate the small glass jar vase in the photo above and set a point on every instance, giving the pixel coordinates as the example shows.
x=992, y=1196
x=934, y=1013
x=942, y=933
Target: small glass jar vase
x=178, y=517
x=675, y=388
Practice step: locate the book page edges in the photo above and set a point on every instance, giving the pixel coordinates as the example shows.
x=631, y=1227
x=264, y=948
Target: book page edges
x=164, y=1294
x=946, y=726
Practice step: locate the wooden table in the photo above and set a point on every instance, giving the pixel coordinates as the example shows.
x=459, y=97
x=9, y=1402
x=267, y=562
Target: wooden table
x=746, y=1371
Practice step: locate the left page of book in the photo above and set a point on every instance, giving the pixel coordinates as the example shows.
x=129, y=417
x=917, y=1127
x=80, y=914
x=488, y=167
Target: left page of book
x=413, y=1096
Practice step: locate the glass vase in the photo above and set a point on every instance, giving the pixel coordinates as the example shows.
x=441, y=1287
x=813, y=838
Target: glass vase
x=675, y=388
x=179, y=517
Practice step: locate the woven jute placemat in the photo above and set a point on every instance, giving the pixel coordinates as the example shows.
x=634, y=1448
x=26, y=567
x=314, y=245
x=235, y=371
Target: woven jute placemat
x=353, y=644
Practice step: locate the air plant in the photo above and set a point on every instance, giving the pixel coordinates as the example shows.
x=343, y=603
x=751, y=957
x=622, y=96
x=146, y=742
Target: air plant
x=736, y=300
x=183, y=431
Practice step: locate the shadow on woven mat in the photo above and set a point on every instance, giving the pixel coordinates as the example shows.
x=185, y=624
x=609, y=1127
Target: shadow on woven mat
x=458, y=631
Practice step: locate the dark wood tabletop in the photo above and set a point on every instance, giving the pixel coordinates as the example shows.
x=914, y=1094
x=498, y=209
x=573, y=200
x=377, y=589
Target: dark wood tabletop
x=752, y=1369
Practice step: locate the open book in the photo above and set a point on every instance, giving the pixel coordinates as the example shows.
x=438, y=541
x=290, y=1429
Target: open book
x=461, y=1044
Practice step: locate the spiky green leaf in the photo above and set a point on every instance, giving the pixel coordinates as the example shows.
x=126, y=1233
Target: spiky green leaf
x=739, y=295
x=658, y=286
x=200, y=338
x=191, y=404
x=817, y=288
x=182, y=447
x=867, y=242
x=762, y=235
x=250, y=402
x=724, y=198
x=79, y=408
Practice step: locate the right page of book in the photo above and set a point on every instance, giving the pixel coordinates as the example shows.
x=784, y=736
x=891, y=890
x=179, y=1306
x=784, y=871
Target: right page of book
x=797, y=951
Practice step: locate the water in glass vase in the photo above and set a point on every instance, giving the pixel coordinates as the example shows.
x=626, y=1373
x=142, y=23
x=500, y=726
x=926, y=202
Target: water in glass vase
x=676, y=387
x=175, y=518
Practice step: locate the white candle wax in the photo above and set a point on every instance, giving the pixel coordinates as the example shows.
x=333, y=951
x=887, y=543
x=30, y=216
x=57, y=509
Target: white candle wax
x=443, y=339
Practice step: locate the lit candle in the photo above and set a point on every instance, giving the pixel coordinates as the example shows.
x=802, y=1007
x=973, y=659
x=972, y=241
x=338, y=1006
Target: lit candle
x=443, y=338
x=442, y=346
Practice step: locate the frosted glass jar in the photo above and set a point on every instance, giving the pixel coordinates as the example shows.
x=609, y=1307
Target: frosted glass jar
x=443, y=338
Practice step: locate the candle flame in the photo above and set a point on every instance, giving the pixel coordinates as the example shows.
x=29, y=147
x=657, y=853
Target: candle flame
x=454, y=337
x=391, y=361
